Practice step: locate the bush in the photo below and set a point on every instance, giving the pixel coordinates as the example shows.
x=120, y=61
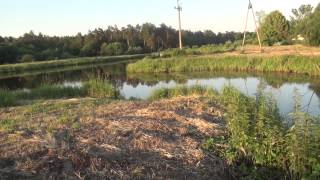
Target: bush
x=135, y=50
x=173, y=53
x=27, y=58
x=112, y=49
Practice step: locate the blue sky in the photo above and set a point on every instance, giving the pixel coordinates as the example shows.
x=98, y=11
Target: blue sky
x=68, y=17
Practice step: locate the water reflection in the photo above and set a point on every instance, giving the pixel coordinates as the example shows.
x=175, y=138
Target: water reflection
x=281, y=86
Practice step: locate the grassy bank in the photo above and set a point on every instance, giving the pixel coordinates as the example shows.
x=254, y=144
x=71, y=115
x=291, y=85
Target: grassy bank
x=260, y=143
x=290, y=64
x=96, y=88
x=22, y=67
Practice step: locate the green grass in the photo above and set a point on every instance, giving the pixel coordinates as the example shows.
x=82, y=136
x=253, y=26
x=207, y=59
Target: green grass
x=259, y=143
x=7, y=98
x=289, y=64
x=23, y=67
x=205, y=49
x=7, y=125
x=259, y=138
x=95, y=88
x=99, y=88
x=181, y=90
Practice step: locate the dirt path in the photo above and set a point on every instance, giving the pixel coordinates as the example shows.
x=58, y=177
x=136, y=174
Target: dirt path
x=119, y=140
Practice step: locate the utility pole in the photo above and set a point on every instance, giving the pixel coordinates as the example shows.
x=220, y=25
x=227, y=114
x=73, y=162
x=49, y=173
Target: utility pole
x=255, y=23
x=179, y=8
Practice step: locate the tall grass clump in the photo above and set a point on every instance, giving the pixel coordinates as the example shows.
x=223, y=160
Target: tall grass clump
x=100, y=88
x=289, y=64
x=7, y=98
x=181, y=90
x=259, y=139
x=303, y=144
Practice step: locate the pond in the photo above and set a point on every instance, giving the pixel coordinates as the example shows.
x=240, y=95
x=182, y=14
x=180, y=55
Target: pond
x=281, y=86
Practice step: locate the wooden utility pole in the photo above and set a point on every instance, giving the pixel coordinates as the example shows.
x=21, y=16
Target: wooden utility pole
x=179, y=8
x=255, y=23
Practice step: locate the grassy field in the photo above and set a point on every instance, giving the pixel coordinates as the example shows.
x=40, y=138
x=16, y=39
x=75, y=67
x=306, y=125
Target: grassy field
x=24, y=67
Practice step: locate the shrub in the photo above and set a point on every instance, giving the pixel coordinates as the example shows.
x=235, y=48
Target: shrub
x=135, y=50
x=112, y=49
x=27, y=58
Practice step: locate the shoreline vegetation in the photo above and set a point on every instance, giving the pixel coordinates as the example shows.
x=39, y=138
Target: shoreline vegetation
x=239, y=136
x=42, y=65
x=94, y=88
x=186, y=62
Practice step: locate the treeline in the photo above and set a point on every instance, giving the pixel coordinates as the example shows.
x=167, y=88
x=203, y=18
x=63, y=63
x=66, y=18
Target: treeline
x=303, y=26
x=104, y=42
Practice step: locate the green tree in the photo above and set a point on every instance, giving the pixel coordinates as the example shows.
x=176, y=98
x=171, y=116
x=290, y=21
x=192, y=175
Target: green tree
x=312, y=29
x=27, y=58
x=112, y=49
x=275, y=28
x=299, y=19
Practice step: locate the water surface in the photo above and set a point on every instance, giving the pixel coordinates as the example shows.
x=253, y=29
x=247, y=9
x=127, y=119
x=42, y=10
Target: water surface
x=281, y=86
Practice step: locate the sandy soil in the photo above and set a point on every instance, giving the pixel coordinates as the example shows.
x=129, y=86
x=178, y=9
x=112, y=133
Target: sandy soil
x=118, y=140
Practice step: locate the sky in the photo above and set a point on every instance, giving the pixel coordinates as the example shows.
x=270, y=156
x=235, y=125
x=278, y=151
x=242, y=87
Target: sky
x=68, y=17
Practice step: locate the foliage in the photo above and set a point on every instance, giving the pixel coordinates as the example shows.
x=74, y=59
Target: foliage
x=205, y=49
x=100, y=88
x=181, y=91
x=6, y=98
x=312, y=29
x=96, y=88
x=27, y=58
x=133, y=39
x=112, y=49
x=275, y=28
x=258, y=136
x=22, y=67
x=299, y=19
x=294, y=64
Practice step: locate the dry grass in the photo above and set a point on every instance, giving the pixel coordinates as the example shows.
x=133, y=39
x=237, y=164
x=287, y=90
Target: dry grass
x=117, y=140
x=297, y=50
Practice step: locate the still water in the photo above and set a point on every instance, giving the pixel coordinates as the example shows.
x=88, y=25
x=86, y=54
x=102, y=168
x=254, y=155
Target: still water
x=281, y=86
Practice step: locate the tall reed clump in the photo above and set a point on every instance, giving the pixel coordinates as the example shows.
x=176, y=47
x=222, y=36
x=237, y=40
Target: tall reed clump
x=182, y=90
x=303, y=144
x=100, y=88
x=290, y=64
x=259, y=138
x=7, y=98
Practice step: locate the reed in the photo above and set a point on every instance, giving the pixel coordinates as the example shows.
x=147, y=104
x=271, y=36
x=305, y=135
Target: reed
x=289, y=64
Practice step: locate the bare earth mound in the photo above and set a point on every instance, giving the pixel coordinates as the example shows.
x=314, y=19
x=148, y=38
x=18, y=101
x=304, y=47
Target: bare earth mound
x=119, y=140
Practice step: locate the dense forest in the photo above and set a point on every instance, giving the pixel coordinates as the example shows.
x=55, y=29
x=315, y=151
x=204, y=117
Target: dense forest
x=145, y=38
